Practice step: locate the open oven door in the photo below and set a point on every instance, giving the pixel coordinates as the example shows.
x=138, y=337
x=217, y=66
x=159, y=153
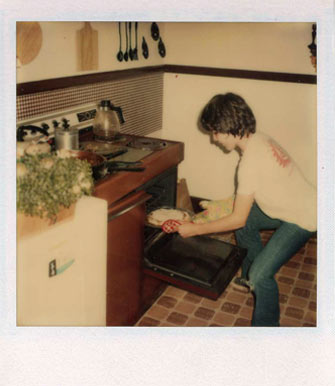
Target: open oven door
x=199, y=264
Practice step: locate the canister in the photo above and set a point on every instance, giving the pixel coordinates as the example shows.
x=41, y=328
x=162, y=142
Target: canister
x=67, y=138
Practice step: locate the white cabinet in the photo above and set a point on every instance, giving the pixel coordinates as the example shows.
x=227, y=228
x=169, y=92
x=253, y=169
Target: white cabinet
x=61, y=271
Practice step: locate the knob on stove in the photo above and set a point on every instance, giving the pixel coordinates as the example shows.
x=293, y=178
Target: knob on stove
x=55, y=123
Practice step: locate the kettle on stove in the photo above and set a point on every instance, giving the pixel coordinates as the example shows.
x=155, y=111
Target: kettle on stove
x=108, y=120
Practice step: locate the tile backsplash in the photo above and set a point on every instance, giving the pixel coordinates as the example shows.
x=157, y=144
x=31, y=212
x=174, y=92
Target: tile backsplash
x=140, y=97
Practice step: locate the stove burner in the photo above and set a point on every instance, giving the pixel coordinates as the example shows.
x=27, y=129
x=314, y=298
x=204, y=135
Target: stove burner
x=147, y=144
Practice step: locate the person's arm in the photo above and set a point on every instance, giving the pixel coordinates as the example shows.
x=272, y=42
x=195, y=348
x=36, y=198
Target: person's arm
x=237, y=219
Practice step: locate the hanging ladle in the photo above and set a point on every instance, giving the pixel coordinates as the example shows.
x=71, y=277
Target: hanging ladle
x=135, y=49
x=120, y=54
x=125, y=55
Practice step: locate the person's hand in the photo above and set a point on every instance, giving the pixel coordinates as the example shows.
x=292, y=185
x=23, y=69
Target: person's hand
x=188, y=229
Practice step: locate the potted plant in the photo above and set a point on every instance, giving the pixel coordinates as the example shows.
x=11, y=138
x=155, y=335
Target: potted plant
x=48, y=186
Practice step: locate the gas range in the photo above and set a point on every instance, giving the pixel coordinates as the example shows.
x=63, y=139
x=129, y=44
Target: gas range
x=127, y=147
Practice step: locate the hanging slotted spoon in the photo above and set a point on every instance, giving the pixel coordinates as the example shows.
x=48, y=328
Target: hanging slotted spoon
x=131, y=51
x=120, y=54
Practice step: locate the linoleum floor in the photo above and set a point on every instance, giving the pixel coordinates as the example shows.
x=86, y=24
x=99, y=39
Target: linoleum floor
x=298, y=299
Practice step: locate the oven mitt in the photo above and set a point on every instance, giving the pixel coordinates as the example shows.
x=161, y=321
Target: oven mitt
x=214, y=210
x=170, y=226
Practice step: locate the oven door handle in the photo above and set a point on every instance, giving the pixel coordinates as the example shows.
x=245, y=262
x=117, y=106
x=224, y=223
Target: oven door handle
x=127, y=204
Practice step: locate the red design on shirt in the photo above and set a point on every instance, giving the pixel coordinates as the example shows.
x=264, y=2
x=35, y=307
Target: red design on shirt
x=280, y=155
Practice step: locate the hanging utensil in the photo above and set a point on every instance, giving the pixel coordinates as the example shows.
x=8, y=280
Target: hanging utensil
x=156, y=35
x=131, y=51
x=145, y=49
x=161, y=48
x=135, y=49
x=312, y=46
x=125, y=55
x=154, y=31
x=120, y=54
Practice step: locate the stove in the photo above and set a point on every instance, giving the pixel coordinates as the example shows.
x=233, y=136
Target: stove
x=123, y=148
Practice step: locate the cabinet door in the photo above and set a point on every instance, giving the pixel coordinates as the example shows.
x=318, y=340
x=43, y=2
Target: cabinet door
x=124, y=259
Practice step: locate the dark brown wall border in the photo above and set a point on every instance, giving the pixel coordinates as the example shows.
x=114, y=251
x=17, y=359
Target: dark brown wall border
x=80, y=80
x=245, y=74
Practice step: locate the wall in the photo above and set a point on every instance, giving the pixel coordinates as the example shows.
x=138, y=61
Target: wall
x=287, y=111
x=58, y=55
x=255, y=46
x=277, y=47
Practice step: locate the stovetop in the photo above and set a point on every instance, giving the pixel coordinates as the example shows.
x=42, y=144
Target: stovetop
x=156, y=155
x=131, y=148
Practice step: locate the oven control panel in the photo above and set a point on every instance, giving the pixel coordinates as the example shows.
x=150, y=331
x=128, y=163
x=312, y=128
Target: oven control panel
x=80, y=117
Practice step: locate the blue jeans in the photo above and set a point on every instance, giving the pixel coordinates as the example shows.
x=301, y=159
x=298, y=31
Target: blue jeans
x=263, y=262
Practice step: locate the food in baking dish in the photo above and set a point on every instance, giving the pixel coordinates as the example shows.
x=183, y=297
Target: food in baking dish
x=159, y=216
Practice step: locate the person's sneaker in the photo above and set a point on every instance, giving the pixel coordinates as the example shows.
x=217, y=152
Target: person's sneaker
x=241, y=284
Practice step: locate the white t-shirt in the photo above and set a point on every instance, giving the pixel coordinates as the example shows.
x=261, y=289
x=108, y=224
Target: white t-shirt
x=279, y=187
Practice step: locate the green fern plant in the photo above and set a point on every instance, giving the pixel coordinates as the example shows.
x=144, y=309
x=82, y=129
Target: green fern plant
x=45, y=184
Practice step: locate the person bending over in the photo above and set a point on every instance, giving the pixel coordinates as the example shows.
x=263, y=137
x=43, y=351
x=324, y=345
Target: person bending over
x=272, y=193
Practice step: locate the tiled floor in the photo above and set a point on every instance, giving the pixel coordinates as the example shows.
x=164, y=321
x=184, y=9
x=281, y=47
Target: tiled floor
x=297, y=287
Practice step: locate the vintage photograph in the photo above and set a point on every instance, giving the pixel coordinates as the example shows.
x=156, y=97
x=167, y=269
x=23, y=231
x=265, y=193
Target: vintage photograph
x=166, y=173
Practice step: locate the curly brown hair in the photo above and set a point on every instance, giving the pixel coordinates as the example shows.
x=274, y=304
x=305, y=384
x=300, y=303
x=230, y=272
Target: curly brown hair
x=228, y=113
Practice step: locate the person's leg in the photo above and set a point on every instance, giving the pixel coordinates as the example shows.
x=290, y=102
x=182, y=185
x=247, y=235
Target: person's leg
x=284, y=243
x=249, y=236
